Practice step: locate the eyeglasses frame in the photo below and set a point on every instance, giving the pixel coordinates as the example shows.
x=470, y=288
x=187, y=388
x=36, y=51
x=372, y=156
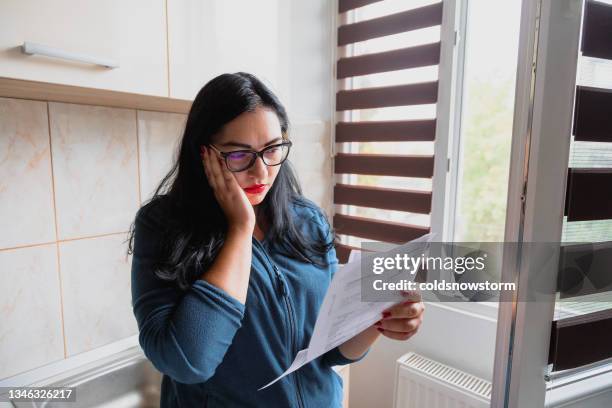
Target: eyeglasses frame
x=260, y=154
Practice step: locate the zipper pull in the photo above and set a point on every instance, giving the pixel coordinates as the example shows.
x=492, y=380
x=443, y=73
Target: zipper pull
x=281, y=282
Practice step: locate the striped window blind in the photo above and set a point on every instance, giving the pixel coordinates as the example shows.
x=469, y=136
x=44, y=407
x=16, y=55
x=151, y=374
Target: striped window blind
x=387, y=112
x=584, y=311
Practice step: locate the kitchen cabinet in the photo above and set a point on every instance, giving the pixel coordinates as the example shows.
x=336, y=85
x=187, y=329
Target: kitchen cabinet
x=130, y=33
x=208, y=38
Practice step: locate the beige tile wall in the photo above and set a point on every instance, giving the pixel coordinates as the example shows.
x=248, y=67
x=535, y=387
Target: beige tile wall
x=71, y=179
x=95, y=168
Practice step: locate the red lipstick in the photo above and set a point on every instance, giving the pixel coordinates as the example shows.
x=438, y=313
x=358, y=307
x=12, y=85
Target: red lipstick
x=255, y=188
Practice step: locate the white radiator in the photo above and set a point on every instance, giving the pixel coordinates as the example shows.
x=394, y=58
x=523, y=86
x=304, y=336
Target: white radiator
x=424, y=383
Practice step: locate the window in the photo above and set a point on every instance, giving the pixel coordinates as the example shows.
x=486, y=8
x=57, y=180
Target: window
x=477, y=136
x=584, y=300
x=387, y=104
x=486, y=117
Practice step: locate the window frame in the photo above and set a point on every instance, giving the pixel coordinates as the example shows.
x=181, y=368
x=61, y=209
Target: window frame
x=548, y=51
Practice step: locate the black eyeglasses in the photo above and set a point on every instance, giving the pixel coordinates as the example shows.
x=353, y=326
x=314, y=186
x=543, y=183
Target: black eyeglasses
x=241, y=160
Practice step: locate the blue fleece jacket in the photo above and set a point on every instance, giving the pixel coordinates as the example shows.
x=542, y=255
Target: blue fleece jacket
x=214, y=351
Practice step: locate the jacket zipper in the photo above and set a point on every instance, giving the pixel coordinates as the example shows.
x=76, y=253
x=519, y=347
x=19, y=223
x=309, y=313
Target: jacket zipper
x=293, y=324
x=284, y=293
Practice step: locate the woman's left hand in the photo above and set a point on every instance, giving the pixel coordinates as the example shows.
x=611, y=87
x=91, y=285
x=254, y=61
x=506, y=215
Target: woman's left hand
x=402, y=321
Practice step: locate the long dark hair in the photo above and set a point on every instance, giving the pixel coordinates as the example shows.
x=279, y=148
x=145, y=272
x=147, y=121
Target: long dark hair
x=196, y=224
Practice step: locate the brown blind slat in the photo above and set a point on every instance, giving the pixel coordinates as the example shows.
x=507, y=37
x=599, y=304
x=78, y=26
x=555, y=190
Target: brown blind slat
x=589, y=194
x=584, y=269
x=383, y=231
x=413, y=57
x=593, y=114
x=580, y=340
x=382, y=198
x=380, y=97
x=597, y=30
x=343, y=252
x=422, y=17
x=346, y=5
x=381, y=131
x=384, y=165
x=386, y=131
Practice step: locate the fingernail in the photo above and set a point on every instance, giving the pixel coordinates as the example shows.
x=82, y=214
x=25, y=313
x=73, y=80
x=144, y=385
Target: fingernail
x=380, y=330
x=386, y=314
x=378, y=323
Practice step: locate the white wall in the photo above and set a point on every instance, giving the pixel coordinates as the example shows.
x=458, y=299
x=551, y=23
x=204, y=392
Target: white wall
x=306, y=28
x=306, y=91
x=457, y=338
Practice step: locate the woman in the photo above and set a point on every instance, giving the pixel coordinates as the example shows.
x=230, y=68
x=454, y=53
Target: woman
x=231, y=264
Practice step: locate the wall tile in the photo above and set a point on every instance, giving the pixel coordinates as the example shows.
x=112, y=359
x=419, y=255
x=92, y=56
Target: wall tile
x=159, y=135
x=95, y=168
x=30, y=309
x=96, y=292
x=26, y=192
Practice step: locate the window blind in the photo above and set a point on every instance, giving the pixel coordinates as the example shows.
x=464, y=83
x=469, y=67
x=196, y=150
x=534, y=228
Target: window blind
x=351, y=129
x=584, y=274
x=596, y=37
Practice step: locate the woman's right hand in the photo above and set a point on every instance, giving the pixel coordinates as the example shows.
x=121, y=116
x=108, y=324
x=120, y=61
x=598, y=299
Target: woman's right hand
x=230, y=196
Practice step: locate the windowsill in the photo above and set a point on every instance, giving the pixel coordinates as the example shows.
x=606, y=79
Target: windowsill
x=60, y=367
x=45, y=373
x=579, y=384
x=482, y=310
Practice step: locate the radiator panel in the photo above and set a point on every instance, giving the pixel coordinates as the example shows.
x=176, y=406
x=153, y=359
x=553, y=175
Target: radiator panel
x=424, y=383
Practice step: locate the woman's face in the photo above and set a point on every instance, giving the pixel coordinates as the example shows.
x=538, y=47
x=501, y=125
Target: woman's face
x=253, y=131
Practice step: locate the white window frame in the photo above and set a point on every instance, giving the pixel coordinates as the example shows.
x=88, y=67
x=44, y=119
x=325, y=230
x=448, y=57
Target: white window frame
x=448, y=142
x=448, y=118
x=454, y=139
x=446, y=212
x=545, y=88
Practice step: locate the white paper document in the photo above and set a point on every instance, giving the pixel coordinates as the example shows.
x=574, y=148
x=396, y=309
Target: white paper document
x=342, y=314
